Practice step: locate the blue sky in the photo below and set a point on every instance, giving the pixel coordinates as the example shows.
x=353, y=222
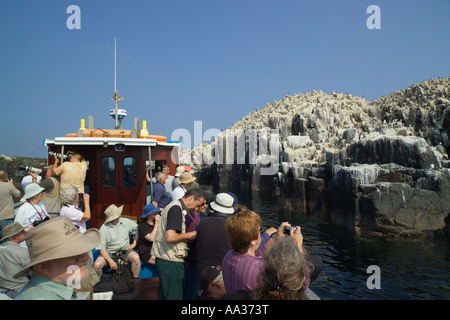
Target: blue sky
x=214, y=61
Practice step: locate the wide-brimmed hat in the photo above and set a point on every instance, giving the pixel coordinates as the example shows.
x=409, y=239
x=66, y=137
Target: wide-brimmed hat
x=31, y=190
x=235, y=199
x=186, y=177
x=56, y=239
x=179, y=171
x=113, y=212
x=223, y=203
x=149, y=209
x=11, y=230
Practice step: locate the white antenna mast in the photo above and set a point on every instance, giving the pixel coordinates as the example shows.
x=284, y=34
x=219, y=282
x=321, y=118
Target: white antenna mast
x=117, y=114
x=115, y=65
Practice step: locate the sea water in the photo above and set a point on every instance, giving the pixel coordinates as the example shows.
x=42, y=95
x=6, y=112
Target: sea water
x=408, y=269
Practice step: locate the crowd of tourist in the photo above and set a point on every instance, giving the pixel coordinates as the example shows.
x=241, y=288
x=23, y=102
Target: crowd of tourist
x=203, y=246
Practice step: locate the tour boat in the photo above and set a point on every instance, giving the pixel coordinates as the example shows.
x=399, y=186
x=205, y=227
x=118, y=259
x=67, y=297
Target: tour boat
x=117, y=161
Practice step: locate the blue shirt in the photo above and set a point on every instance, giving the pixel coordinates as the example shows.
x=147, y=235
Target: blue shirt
x=160, y=195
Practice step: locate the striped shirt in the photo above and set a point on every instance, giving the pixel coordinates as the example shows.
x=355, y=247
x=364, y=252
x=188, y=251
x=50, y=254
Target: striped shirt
x=241, y=271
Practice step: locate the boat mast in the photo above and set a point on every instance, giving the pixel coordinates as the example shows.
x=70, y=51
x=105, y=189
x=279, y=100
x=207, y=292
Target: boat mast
x=117, y=114
x=115, y=64
x=115, y=82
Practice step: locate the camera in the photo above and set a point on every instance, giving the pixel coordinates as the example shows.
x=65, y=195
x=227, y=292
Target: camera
x=39, y=171
x=38, y=222
x=81, y=202
x=59, y=155
x=287, y=230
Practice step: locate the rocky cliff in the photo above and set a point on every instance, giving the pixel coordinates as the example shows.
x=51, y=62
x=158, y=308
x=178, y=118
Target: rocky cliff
x=376, y=167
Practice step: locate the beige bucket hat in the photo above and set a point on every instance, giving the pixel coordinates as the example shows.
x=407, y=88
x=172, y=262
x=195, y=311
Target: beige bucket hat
x=179, y=171
x=58, y=238
x=186, y=177
x=113, y=212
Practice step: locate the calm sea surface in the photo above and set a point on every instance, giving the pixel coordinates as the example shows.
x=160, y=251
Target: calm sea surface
x=409, y=270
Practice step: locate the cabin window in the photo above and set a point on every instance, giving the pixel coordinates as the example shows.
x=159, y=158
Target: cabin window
x=108, y=172
x=129, y=172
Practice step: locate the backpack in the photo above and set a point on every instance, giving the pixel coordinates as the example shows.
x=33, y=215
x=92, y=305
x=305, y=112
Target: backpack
x=118, y=283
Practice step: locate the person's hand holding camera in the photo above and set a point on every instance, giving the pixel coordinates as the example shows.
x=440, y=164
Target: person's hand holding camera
x=298, y=238
x=157, y=218
x=281, y=228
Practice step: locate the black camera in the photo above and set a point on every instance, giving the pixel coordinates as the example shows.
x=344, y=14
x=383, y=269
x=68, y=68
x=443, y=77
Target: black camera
x=287, y=230
x=119, y=253
x=39, y=171
x=38, y=222
x=81, y=202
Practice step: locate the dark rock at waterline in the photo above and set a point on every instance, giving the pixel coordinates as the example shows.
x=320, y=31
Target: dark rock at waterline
x=391, y=200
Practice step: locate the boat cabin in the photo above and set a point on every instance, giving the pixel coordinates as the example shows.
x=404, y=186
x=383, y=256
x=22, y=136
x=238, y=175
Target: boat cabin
x=118, y=161
x=117, y=164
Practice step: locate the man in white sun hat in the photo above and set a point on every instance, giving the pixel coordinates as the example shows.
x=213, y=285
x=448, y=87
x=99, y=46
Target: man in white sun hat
x=58, y=257
x=212, y=237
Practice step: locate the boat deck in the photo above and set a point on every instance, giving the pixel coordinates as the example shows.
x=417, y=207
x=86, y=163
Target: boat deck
x=148, y=288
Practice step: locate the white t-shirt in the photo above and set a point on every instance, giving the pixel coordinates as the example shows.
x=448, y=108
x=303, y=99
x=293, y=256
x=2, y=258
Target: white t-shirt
x=75, y=215
x=178, y=192
x=29, y=179
x=28, y=213
x=168, y=184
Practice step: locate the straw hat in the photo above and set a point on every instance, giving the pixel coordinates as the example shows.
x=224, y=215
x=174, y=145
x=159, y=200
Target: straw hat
x=11, y=230
x=223, y=203
x=186, y=177
x=113, y=212
x=58, y=238
x=31, y=190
